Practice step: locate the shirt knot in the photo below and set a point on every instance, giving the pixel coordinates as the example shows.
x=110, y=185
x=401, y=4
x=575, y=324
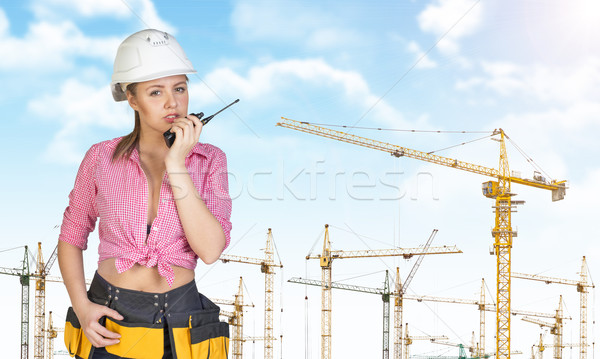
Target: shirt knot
x=150, y=257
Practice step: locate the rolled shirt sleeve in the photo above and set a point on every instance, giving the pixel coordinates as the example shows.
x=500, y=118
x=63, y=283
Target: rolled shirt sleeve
x=79, y=218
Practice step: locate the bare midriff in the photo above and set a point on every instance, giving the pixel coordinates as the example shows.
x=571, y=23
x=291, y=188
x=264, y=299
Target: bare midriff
x=142, y=278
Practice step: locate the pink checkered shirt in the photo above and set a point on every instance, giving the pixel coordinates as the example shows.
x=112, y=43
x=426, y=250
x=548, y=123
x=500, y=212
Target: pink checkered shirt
x=117, y=192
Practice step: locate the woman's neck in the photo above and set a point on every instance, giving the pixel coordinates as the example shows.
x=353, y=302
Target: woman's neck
x=153, y=146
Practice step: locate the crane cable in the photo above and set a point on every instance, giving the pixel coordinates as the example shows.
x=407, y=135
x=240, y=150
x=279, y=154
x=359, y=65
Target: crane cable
x=489, y=133
x=527, y=157
x=391, y=129
x=460, y=144
x=315, y=243
x=11, y=249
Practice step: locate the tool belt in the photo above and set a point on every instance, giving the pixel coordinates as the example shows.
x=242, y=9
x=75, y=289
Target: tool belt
x=183, y=319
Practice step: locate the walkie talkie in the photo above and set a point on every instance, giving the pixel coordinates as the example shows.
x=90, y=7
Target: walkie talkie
x=170, y=136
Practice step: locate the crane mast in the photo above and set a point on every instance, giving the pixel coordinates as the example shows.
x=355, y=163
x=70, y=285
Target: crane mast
x=498, y=190
x=399, y=293
x=398, y=311
x=24, y=277
x=325, y=263
x=266, y=266
x=238, y=322
x=235, y=319
x=503, y=245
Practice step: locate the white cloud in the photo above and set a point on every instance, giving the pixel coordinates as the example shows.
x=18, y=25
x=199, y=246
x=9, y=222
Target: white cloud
x=554, y=139
x=451, y=20
x=281, y=77
x=140, y=10
x=88, y=8
x=291, y=23
x=564, y=85
x=423, y=61
x=265, y=79
x=78, y=107
x=53, y=46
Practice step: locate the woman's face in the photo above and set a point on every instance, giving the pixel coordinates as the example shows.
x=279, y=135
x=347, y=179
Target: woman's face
x=159, y=102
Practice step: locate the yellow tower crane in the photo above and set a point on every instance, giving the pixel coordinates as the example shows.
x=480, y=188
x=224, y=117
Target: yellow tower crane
x=51, y=334
x=326, y=258
x=582, y=286
x=500, y=190
x=235, y=319
x=40, y=274
x=267, y=266
x=556, y=328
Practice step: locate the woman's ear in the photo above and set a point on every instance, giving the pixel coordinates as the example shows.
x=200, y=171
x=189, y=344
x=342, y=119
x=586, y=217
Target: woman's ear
x=132, y=100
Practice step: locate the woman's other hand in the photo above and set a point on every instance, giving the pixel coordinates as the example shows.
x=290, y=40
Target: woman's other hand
x=89, y=315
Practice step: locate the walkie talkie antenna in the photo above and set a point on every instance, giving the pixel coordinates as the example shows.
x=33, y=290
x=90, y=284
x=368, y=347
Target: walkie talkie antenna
x=206, y=119
x=170, y=136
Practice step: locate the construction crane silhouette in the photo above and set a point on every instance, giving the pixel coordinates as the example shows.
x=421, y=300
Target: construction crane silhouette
x=326, y=258
x=499, y=189
x=41, y=272
x=556, y=328
x=51, y=334
x=39, y=275
x=400, y=289
x=24, y=276
x=236, y=320
x=582, y=286
x=385, y=293
x=267, y=266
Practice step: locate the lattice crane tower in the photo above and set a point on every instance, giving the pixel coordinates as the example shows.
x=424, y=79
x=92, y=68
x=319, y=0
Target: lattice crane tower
x=266, y=266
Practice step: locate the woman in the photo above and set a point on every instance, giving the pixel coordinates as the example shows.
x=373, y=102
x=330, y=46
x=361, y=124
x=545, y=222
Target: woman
x=160, y=209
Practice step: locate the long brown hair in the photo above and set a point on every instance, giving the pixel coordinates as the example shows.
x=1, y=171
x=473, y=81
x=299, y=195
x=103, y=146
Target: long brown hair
x=129, y=142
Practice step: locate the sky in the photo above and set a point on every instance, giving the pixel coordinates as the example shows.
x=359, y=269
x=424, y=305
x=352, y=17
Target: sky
x=454, y=70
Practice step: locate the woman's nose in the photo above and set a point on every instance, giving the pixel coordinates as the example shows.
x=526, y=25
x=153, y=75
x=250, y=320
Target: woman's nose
x=170, y=100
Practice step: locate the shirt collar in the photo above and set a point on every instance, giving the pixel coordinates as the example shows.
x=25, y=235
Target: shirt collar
x=198, y=149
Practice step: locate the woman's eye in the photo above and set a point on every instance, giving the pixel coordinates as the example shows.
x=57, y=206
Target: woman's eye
x=155, y=93
x=180, y=89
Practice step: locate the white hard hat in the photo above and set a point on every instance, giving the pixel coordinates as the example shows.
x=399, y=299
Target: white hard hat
x=147, y=55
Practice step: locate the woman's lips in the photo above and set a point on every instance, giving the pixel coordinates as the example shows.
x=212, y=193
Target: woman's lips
x=171, y=118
